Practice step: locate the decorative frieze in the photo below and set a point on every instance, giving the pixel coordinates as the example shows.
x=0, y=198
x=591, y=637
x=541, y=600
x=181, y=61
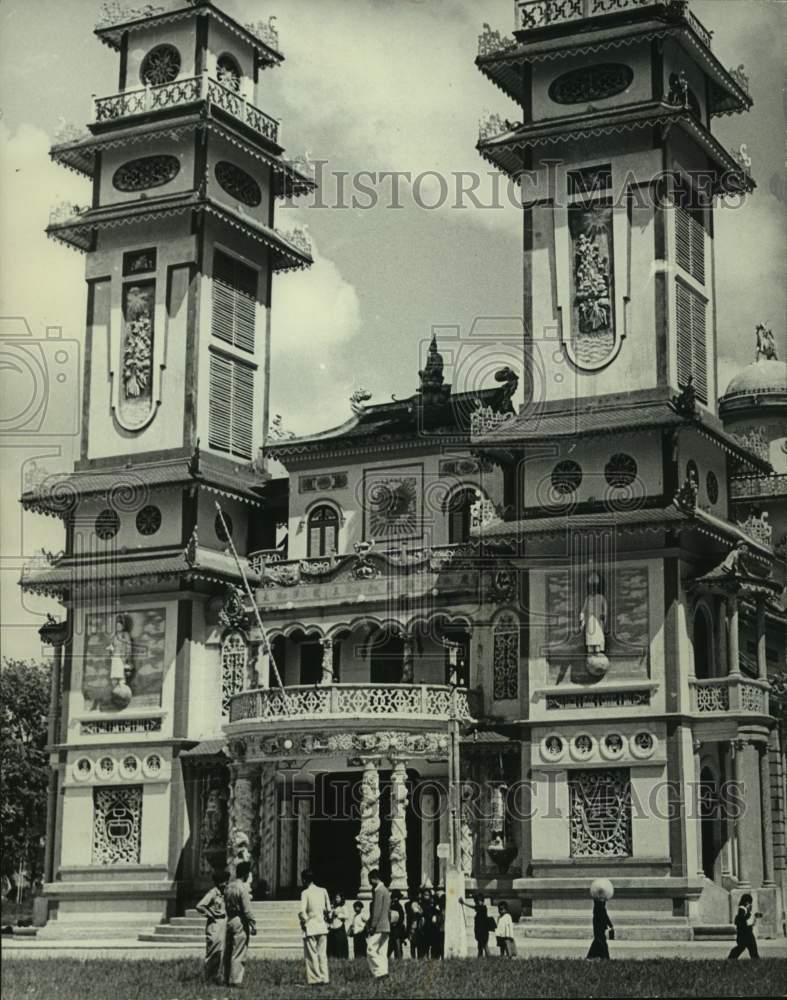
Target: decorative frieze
x=386, y=743
x=323, y=483
x=119, y=727
x=505, y=657
x=100, y=767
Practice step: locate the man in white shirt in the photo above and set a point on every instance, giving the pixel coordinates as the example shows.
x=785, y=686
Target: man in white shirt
x=314, y=914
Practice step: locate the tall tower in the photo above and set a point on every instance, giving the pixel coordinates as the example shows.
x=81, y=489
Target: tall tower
x=181, y=251
x=618, y=99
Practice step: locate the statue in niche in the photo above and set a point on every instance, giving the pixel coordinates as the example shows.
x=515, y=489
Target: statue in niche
x=121, y=661
x=593, y=623
x=766, y=346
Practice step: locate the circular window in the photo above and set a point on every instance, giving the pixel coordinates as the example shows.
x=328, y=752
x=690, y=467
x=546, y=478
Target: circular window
x=643, y=745
x=692, y=472
x=218, y=527
x=129, y=766
x=83, y=768
x=160, y=65
x=148, y=520
x=106, y=767
x=107, y=524
x=566, y=477
x=712, y=486
x=238, y=184
x=152, y=765
x=582, y=746
x=228, y=72
x=146, y=172
x=620, y=471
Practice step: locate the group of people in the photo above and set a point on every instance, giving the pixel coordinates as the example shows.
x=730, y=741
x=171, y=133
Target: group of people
x=328, y=926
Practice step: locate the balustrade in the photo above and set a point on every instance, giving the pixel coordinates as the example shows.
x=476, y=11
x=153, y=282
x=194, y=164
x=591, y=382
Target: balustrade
x=729, y=695
x=186, y=91
x=758, y=486
x=409, y=702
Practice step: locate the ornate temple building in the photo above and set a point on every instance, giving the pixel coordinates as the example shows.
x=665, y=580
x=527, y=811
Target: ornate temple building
x=589, y=588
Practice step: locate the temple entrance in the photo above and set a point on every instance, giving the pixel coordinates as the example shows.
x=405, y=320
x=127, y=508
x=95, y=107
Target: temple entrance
x=709, y=822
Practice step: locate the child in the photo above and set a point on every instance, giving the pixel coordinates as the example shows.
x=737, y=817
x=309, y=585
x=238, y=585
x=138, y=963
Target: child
x=744, y=928
x=601, y=890
x=482, y=924
x=505, y=932
x=211, y=906
x=357, y=930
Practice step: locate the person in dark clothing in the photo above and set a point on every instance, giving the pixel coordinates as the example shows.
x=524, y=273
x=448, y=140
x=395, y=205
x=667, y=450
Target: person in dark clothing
x=437, y=935
x=601, y=921
x=483, y=924
x=398, y=926
x=338, y=946
x=744, y=929
x=416, y=928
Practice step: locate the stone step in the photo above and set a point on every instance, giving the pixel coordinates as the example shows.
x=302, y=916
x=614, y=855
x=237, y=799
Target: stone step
x=624, y=932
x=198, y=940
x=714, y=932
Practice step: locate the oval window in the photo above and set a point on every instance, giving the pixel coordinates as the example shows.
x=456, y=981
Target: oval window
x=591, y=83
x=238, y=184
x=146, y=172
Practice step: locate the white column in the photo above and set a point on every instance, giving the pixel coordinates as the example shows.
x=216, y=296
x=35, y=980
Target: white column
x=428, y=805
x=368, y=838
x=398, y=842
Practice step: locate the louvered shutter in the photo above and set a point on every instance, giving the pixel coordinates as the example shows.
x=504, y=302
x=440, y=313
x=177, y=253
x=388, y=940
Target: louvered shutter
x=692, y=352
x=234, y=301
x=690, y=244
x=220, y=404
x=683, y=317
x=242, y=409
x=699, y=348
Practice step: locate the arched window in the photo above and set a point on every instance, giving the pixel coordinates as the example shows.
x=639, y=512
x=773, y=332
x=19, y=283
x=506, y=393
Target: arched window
x=234, y=657
x=459, y=510
x=323, y=531
x=228, y=72
x=703, y=645
x=505, y=657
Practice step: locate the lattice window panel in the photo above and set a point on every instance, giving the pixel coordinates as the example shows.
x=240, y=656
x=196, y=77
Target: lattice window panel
x=234, y=657
x=231, y=409
x=600, y=813
x=117, y=825
x=505, y=658
x=713, y=698
x=690, y=309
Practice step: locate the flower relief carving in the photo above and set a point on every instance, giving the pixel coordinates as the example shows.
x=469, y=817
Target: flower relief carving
x=136, y=389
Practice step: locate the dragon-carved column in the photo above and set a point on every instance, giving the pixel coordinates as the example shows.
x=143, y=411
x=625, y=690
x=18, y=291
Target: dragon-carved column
x=398, y=841
x=408, y=659
x=368, y=838
x=243, y=813
x=327, y=662
x=269, y=823
x=467, y=843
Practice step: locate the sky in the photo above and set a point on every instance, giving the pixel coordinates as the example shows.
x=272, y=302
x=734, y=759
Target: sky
x=375, y=85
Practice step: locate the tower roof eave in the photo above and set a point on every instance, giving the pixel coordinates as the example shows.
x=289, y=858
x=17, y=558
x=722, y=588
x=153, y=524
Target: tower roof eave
x=503, y=151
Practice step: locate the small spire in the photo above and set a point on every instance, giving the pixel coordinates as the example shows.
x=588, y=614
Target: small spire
x=431, y=374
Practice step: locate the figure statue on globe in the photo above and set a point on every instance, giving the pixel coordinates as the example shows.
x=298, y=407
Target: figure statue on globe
x=593, y=622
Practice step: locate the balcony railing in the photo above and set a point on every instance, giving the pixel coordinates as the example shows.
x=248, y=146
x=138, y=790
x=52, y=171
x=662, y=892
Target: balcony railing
x=541, y=13
x=744, y=487
x=186, y=91
x=729, y=695
x=406, y=703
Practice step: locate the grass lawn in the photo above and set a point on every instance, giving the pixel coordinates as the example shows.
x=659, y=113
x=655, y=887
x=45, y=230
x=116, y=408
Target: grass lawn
x=181, y=979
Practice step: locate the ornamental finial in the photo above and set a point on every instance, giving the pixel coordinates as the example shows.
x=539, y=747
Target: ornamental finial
x=766, y=347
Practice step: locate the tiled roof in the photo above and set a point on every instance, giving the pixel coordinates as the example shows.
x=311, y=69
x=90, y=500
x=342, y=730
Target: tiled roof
x=208, y=748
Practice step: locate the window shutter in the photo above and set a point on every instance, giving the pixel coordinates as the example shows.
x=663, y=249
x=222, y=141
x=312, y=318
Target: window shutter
x=234, y=302
x=699, y=350
x=692, y=354
x=231, y=406
x=690, y=244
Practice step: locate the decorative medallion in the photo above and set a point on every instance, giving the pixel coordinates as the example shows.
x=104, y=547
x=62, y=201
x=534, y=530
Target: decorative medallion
x=83, y=768
x=612, y=746
x=152, y=766
x=160, y=65
x=643, y=745
x=238, y=184
x=129, y=766
x=620, y=471
x=148, y=520
x=146, y=172
x=582, y=746
x=107, y=524
x=712, y=487
x=139, y=261
x=566, y=477
x=233, y=615
x=553, y=747
x=591, y=83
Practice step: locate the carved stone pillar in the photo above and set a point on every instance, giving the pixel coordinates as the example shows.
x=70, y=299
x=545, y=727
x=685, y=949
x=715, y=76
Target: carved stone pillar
x=243, y=813
x=727, y=824
x=428, y=806
x=287, y=823
x=368, y=838
x=740, y=839
x=327, y=662
x=698, y=801
x=269, y=822
x=398, y=841
x=766, y=815
x=468, y=837
x=733, y=655
x=303, y=853
x=762, y=663
x=408, y=659
x=443, y=826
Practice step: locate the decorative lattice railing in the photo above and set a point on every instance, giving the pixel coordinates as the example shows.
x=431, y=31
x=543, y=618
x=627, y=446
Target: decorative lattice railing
x=389, y=702
x=729, y=694
x=186, y=91
x=743, y=487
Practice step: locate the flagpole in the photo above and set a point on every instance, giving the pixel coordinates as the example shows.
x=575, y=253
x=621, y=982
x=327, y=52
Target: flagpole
x=250, y=595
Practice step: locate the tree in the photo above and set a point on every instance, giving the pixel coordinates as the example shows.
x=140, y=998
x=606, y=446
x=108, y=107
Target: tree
x=24, y=764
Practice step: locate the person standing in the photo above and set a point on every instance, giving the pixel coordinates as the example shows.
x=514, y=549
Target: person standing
x=379, y=927
x=505, y=932
x=211, y=906
x=744, y=928
x=482, y=924
x=601, y=890
x=337, y=929
x=314, y=915
x=398, y=933
x=357, y=930
x=240, y=924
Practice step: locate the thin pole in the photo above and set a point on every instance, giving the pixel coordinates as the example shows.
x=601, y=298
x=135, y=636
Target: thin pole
x=249, y=594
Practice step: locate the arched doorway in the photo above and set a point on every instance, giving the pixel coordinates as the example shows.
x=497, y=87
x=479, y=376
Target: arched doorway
x=702, y=641
x=709, y=822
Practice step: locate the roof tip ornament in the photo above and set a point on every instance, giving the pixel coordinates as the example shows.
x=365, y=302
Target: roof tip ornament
x=766, y=345
x=358, y=399
x=686, y=400
x=509, y=383
x=432, y=387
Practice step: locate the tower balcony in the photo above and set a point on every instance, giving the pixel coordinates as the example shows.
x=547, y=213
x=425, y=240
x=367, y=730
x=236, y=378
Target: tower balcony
x=734, y=695
x=181, y=93
x=349, y=706
x=535, y=14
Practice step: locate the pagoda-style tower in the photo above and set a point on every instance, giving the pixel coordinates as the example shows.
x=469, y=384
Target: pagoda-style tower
x=642, y=594
x=181, y=251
